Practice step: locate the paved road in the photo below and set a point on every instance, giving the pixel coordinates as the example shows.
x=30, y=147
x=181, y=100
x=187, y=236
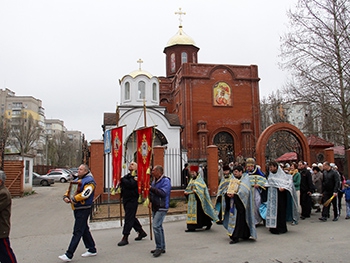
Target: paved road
x=42, y=225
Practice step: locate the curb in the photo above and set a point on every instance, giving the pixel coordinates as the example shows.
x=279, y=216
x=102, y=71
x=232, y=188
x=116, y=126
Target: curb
x=143, y=221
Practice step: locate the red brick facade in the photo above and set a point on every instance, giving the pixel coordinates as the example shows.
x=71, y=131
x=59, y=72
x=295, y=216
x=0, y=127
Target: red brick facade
x=191, y=94
x=96, y=163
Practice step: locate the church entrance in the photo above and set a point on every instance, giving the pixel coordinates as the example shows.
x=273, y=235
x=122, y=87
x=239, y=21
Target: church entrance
x=225, y=144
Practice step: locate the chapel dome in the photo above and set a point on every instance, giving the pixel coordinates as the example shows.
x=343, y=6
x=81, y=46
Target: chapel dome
x=181, y=38
x=139, y=72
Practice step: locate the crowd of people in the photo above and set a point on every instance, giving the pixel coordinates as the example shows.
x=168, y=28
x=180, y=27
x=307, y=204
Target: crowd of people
x=246, y=198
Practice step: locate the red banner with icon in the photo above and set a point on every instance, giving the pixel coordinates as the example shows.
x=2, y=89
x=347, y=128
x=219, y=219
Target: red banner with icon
x=144, y=154
x=117, y=152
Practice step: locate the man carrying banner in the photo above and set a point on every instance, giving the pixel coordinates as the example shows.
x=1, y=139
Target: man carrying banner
x=130, y=195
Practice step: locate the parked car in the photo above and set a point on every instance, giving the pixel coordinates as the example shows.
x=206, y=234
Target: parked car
x=42, y=180
x=74, y=170
x=60, y=175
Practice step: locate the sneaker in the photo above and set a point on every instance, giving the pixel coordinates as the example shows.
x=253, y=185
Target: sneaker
x=158, y=252
x=347, y=217
x=154, y=250
x=336, y=219
x=324, y=219
x=64, y=258
x=88, y=254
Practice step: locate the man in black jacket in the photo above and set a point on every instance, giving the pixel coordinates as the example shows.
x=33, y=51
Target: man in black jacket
x=330, y=187
x=306, y=189
x=130, y=196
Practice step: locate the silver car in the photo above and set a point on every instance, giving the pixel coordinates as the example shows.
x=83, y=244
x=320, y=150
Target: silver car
x=59, y=176
x=42, y=180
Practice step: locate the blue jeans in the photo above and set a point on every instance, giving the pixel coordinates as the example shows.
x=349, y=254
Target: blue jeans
x=158, y=218
x=347, y=208
x=81, y=230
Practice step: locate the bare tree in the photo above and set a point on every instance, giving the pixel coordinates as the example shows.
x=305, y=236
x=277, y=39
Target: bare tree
x=316, y=52
x=272, y=111
x=25, y=133
x=4, y=134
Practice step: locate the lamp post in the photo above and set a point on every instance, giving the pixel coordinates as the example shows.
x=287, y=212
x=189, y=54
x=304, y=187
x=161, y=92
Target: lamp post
x=47, y=148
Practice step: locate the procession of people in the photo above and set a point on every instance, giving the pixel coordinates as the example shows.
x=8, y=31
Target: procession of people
x=246, y=197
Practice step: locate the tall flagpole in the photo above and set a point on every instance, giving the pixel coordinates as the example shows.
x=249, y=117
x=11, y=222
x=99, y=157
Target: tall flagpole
x=149, y=208
x=144, y=112
x=120, y=194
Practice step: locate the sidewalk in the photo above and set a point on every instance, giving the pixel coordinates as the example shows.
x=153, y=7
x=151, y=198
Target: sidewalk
x=41, y=231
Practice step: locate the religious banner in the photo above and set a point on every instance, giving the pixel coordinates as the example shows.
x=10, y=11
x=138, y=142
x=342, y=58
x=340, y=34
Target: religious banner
x=107, y=142
x=117, y=152
x=144, y=154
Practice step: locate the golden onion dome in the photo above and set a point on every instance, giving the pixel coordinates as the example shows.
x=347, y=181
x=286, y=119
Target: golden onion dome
x=181, y=38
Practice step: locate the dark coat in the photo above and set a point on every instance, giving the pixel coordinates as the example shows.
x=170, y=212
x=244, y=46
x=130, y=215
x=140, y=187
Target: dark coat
x=5, y=211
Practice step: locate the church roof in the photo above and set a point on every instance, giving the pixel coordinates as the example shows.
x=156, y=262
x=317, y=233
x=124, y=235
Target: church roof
x=110, y=119
x=138, y=72
x=173, y=119
x=319, y=142
x=181, y=38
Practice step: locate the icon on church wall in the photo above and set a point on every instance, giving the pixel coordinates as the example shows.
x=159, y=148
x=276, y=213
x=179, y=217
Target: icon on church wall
x=222, y=94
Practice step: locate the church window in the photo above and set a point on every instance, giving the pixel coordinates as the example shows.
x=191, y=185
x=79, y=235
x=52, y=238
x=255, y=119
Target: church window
x=154, y=91
x=142, y=90
x=127, y=91
x=172, y=62
x=183, y=57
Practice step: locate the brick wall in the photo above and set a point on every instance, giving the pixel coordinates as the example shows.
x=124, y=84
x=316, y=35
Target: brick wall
x=97, y=164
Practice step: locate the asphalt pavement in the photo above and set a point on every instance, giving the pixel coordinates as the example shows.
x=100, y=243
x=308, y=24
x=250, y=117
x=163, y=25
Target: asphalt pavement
x=42, y=227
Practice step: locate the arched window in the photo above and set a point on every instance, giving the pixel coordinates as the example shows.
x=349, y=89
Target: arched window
x=154, y=91
x=142, y=90
x=172, y=62
x=183, y=57
x=127, y=91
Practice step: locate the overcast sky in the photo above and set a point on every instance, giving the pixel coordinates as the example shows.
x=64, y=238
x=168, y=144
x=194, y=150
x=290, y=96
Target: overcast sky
x=70, y=54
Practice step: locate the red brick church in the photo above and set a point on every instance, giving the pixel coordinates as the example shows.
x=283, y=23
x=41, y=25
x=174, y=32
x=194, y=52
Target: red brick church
x=217, y=104
x=213, y=104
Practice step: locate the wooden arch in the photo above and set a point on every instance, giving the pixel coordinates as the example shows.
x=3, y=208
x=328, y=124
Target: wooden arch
x=281, y=126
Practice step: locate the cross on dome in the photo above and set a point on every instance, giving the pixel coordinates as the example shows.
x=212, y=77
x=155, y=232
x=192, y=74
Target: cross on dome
x=180, y=13
x=140, y=61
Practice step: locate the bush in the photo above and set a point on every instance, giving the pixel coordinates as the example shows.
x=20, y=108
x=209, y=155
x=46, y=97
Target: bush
x=173, y=203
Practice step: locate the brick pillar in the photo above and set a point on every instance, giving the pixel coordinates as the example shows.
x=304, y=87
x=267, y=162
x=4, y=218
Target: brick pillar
x=329, y=155
x=212, y=162
x=97, y=165
x=158, y=156
x=202, y=133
